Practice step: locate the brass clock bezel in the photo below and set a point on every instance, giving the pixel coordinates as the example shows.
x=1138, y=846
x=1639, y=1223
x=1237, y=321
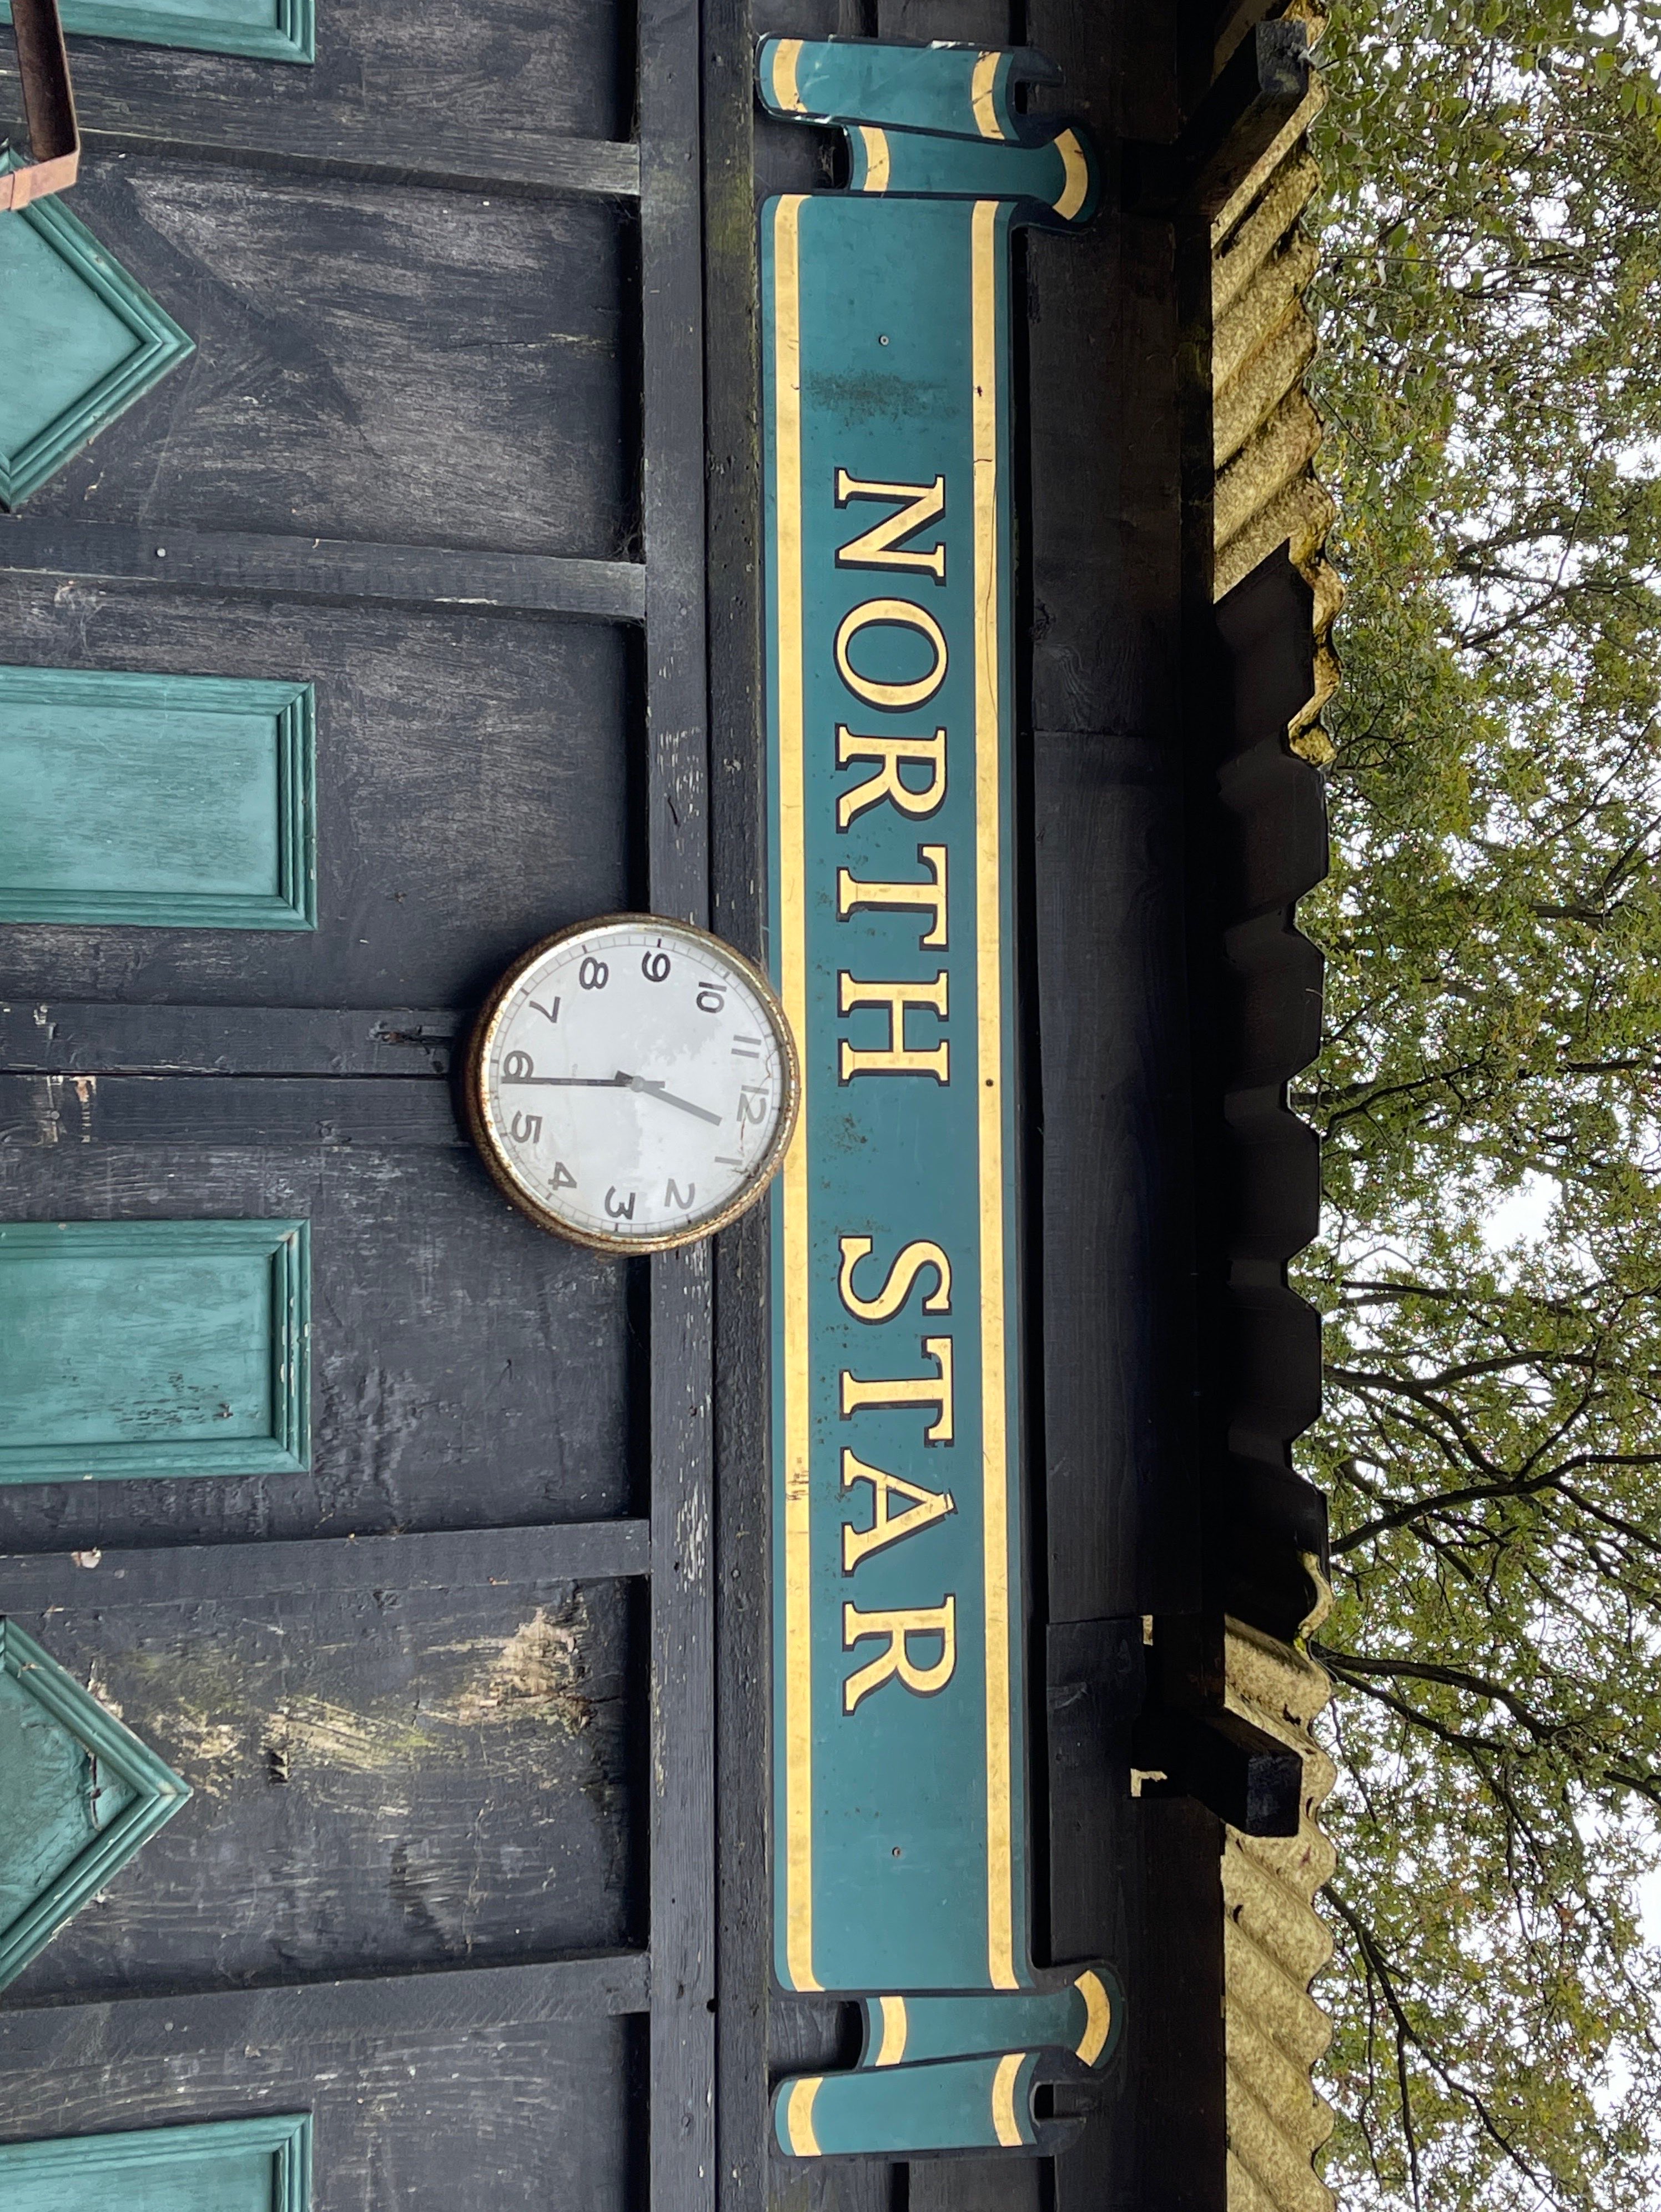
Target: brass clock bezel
x=494, y=1155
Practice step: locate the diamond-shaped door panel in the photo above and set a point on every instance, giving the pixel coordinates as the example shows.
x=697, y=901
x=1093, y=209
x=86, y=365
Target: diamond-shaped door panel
x=79, y=342
x=79, y=1793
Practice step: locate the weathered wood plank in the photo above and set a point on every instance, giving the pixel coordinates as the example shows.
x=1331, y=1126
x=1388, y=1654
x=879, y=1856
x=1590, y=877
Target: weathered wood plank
x=225, y=1109
x=472, y=794
x=966, y=21
x=263, y=124
x=440, y=2003
x=371, y=363
x=462, y=1560
x=411, y=2115
x=388, y=149
x=388, y=367
x=467, y=1370
x=68, y=1037
x=682, y=1723
x=681, y=2060
x=1110, y=774
x=385, y=1779
x=508, y=75
x=325, y=568
x=738, y=810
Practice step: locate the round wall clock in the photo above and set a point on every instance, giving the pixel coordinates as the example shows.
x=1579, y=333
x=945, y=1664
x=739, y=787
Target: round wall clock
x=632, y=1082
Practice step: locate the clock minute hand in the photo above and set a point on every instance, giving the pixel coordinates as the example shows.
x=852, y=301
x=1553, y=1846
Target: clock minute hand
x=567, y=1082
x=656, y=1091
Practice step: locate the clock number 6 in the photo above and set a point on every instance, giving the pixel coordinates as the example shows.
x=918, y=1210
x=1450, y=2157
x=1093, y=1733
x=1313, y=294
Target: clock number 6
x=655, y=966
x=593, y=974
x=517, y=1067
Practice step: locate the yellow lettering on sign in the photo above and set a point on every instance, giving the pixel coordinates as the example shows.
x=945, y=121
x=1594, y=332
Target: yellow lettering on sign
x=896, y=1057
x=880, y=547
x=925, y=1506
x=894, y=753
x=896, y=1663
x=930, y=895
x=897, y=614
x=908, y=1265
x=933, y=1390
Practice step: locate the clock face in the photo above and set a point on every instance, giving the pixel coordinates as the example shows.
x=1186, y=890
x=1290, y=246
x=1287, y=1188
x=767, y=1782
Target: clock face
x=632, y=1082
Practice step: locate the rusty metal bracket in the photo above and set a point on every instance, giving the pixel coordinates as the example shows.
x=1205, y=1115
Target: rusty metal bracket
x=48, y=103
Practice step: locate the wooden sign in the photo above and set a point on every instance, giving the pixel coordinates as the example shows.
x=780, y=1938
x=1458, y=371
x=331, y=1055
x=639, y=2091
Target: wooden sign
x=900, y=1739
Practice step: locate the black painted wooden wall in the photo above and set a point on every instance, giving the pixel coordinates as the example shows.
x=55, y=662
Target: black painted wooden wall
x=445, y=1700
x=475, y=1711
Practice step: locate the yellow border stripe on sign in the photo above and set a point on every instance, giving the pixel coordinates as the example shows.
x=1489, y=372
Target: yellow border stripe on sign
x=1098, y=2016
x=799, y=2115
x=1005, y=2125
x=792, y=969
x=989, y=1093
x=878, y=163
x=786, y=56
x=1076, y=170
x=982, y=78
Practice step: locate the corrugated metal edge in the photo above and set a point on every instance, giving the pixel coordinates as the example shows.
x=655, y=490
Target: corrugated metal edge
x=1266, y=438
x=1266, y=433
x=1275, y=1942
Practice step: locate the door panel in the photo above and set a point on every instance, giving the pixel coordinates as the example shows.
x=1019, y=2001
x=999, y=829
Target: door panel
x=457, y=2107
x=153, y=1347
x=80, y=341
x=385, y=1779
x=79, y=1794
x=467, y=1370
x=438, y=456
x=371, y=363
x=472, y=792
x=537, y=68
x=178, y=801
x=229, y=2165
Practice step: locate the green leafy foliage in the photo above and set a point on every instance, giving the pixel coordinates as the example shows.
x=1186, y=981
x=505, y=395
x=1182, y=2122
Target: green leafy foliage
x=1490, y=306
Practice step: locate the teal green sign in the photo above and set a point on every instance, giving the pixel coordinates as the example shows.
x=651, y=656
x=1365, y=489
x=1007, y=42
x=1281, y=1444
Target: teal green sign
x=899, y=1741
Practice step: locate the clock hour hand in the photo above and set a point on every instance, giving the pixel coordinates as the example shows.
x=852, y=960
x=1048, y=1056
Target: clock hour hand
x=656, y=1091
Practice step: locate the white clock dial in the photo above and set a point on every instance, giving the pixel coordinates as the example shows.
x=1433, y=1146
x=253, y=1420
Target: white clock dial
x=632, y=1082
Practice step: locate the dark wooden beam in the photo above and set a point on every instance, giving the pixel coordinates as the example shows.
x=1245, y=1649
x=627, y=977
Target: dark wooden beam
x=226, y=1110
x=387, y=149
x=93, y=1038
x=574, y=1551
x=681, y=2158
x=326, y=568
x=206, y=120
x=455, y=2002
x=1245, y=1776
